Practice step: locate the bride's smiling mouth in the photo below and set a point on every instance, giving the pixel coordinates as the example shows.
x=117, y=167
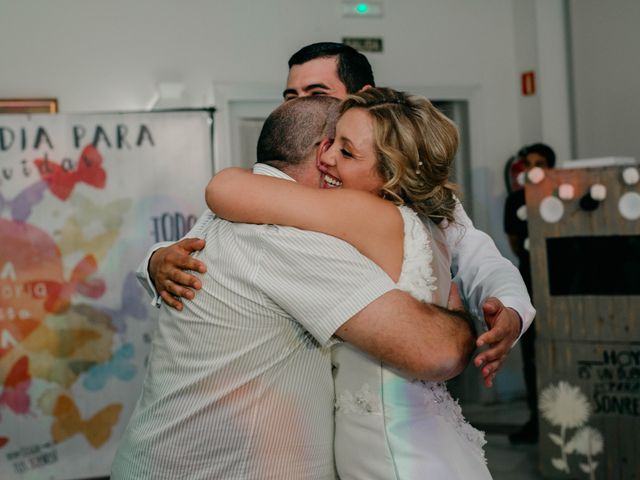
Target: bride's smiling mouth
x=329, y=181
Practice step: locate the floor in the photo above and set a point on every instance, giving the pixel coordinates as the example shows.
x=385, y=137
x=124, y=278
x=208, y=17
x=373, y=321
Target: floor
x=506, y=461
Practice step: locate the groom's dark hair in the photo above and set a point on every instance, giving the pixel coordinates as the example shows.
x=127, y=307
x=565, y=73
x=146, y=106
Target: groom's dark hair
x=294, y=129
x=353, y=69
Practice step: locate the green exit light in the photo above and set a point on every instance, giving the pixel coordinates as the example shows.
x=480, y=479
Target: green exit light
x=351, y=8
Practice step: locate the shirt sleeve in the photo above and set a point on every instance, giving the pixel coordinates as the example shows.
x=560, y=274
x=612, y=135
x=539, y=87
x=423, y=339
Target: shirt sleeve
x=317, y=279
x=482, y=272
x=142, y=273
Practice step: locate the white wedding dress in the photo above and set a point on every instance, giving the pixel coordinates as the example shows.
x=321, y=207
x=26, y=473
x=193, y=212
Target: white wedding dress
x=389, y=426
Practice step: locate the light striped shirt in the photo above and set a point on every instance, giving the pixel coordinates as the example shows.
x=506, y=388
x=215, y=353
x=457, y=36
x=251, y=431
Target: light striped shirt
x=239, y=383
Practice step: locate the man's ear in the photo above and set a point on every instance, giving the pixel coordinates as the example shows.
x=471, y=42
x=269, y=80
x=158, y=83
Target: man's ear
x=366, y=87
x=324, y=145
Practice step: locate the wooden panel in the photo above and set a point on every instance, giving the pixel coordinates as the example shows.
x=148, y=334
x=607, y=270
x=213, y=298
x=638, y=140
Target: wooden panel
x=588, y=347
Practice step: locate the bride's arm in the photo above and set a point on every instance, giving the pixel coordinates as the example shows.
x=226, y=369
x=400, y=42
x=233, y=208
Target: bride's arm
x=373, y=225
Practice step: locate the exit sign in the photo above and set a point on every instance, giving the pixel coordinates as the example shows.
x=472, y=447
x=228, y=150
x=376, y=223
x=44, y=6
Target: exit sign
x=364, y=44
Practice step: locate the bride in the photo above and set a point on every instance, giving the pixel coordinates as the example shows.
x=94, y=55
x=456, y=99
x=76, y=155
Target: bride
x=398, y=149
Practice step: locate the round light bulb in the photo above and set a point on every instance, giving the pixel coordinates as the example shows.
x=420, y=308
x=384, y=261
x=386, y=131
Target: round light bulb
x=551, y=209
x=566, y=191
x=598, y=192
x=629, y=206
x=536, y=175
x=521, y=213
x=630, y=175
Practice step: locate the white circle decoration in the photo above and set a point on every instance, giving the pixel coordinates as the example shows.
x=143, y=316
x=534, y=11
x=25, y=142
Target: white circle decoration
x=629, y=206
x=526, y=244
x=598, y=192
x=630, y=175
x=521, y=178
x=521, y=213
x=551, y=209
x=536, y=175
x=566, y=191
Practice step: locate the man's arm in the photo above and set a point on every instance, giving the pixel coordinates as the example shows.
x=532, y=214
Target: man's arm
x=162, y=272
x=330, y=289
x=493, y=285
x=424, y=340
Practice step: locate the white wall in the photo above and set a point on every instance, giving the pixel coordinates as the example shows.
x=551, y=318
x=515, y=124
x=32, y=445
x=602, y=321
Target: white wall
x=554, y=72
x=109, y=55
x=606, y=76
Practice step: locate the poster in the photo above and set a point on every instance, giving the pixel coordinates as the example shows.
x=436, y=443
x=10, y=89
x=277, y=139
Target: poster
x=82, y=197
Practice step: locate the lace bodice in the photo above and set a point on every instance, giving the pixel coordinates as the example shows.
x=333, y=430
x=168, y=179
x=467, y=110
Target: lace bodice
x=417, y=276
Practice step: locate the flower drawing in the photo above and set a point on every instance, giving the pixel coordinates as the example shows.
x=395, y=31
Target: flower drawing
x=565, y=406
x=587, y=442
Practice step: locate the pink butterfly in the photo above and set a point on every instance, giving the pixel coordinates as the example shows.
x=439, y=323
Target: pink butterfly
x=15, y=394
x=59, y=293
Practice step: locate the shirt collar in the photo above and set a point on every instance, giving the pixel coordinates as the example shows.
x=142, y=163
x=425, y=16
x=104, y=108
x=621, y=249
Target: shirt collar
x=264, y=169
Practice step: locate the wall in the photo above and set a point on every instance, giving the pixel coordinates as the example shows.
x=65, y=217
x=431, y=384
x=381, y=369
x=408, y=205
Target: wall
x=606, y=76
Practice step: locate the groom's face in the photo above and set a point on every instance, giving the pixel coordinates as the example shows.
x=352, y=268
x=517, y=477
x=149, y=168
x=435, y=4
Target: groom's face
x=315, y=77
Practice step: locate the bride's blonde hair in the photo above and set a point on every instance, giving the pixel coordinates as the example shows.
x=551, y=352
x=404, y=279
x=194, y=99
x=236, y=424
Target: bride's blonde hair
x=416, y=145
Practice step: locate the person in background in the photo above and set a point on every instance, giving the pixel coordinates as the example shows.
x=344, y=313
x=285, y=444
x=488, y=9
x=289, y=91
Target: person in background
x=515, y=226
x=490, y=284
x=514, y=171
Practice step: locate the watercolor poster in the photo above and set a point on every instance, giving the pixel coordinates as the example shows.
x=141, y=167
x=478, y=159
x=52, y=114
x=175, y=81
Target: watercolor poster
x=82, y=198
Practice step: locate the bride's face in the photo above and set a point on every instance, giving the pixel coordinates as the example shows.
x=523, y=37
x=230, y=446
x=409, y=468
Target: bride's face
x=351, y=161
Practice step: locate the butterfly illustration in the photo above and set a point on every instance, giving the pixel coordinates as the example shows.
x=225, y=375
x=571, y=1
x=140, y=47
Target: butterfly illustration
x=71, y=238
x=62, y=182
x=59, y=294
x=131, y=304
x=118, y=366
x=66, y=346
x=68, y=422
x=15, y=394
x=64, y=342
x=22, y=204
x=109, y=215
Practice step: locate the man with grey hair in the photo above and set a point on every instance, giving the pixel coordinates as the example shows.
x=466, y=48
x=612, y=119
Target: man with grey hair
x=239, y=382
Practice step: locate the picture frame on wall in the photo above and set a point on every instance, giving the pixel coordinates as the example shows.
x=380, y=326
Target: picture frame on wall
x=28, y=105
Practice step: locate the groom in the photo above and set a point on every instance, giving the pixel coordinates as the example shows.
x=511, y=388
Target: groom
x=239, y=382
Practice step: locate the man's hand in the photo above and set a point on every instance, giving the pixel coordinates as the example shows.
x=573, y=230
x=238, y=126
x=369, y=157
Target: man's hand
x=504, y=328
x=166, y=267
